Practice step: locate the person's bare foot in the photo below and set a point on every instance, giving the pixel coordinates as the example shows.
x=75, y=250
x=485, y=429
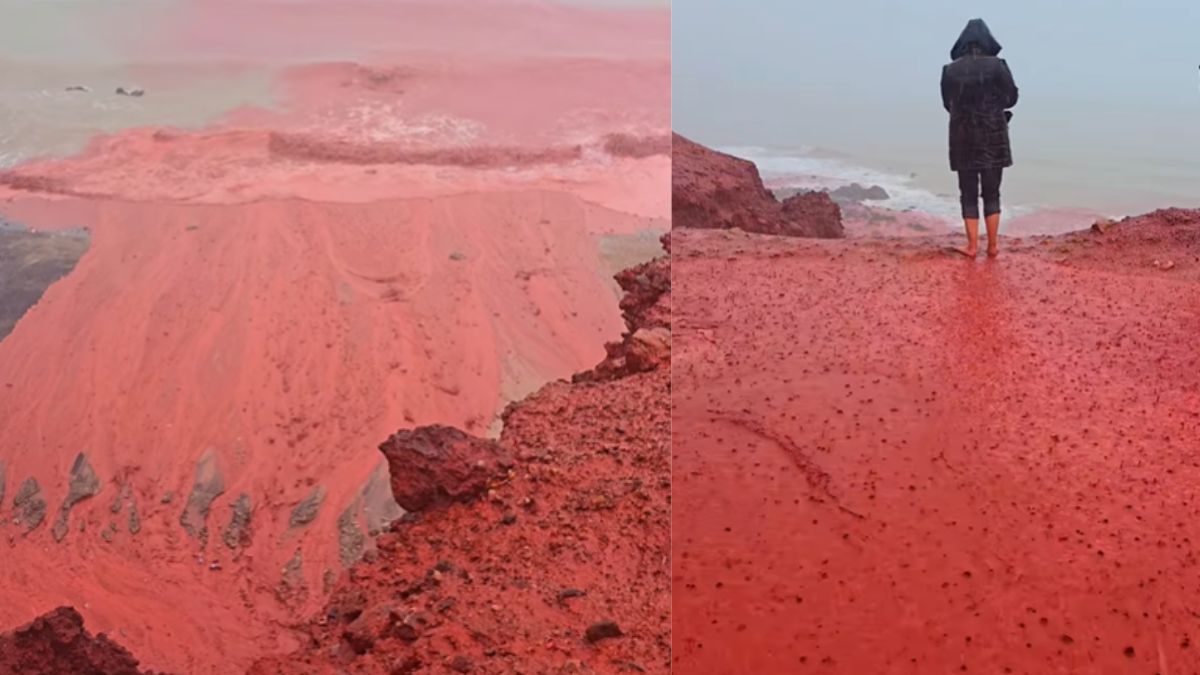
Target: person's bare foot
x=993, y=252
x=966, y=251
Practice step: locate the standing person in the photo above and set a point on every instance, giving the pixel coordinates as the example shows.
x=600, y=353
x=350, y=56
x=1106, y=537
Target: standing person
x=977, y=90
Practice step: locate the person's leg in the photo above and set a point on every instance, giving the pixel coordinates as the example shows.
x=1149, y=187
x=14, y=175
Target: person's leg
x=991, y=209
x=968, y=190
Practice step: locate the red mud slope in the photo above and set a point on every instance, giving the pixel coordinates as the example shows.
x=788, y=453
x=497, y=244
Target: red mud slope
x=560, y=566
x=712, y=190
x=419, y=236
x=888, y=459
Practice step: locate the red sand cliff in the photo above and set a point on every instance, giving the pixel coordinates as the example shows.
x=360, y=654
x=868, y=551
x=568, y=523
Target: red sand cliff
x=712, y=190
x=889, y=459
x=558, y=563
x=401, y=242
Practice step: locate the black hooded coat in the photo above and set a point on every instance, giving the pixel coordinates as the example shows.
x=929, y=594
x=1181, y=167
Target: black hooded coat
x=977, y=90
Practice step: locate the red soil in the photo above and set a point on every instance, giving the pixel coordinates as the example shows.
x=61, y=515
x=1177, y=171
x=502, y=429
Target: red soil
x=265, y=316
x=712, y=190
x=889, y=459
x=561, y=567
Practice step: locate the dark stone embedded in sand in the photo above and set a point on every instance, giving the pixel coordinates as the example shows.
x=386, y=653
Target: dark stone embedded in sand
x=122, y=91
x=237, y=532
x=2, y=481
x=437, y=465
x=29, y=509
x=109, y=532
x=602, y=630
x=306, y=511
x=857, y=194
x=351, y=539
x=292, y=589
x=135, y=521
x=83, y=483
x=56, y=642
x=379, y=504
x=119, y=500
x=208, y=485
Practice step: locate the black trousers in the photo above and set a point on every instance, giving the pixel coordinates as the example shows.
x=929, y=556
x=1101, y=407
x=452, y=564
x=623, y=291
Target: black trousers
x=971, y=183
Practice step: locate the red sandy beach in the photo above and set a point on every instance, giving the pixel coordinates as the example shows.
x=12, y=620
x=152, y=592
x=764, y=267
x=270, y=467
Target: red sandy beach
x=891, y=459
x=409, y=239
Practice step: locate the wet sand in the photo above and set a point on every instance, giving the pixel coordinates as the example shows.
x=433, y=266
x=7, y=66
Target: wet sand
x=889, y=459
x=29, y=263
x=268, y=298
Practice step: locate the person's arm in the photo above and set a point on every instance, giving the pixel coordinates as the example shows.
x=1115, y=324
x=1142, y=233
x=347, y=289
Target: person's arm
x=946, y=90
x=1010, y=87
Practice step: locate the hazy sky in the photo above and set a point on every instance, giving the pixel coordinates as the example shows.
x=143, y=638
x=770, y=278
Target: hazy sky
x=1095, y=76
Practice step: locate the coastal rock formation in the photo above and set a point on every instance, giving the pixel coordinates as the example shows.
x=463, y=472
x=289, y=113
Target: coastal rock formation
x=56, y=643
x=713, y=190
x=436, y=465
x=561, y=568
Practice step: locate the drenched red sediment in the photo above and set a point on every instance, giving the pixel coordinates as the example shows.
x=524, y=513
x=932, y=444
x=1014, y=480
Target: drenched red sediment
x=401, y=242
x=57, y=643
x=561, y=567
x=890, y=459
x=713, y=190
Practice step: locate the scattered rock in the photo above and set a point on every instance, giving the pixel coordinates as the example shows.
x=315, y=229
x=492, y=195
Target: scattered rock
x=122, y=91
x=109, y=532
x=78, y=87
x=83, y=483
x=306, y=511
x=461, y=664
x=1102, y=225
x=437, y=465
x=2, y=482
x=206, y=487
x=602, y=630
x=29, y=509
x=456, y=256
x=237, y=532
x=168, y=497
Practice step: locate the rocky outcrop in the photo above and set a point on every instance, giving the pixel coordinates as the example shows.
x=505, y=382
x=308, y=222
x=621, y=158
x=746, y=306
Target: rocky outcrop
x=83, y=483
x=437, y=465
x=646, y=309
x=713, y=190
x=56, y=643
